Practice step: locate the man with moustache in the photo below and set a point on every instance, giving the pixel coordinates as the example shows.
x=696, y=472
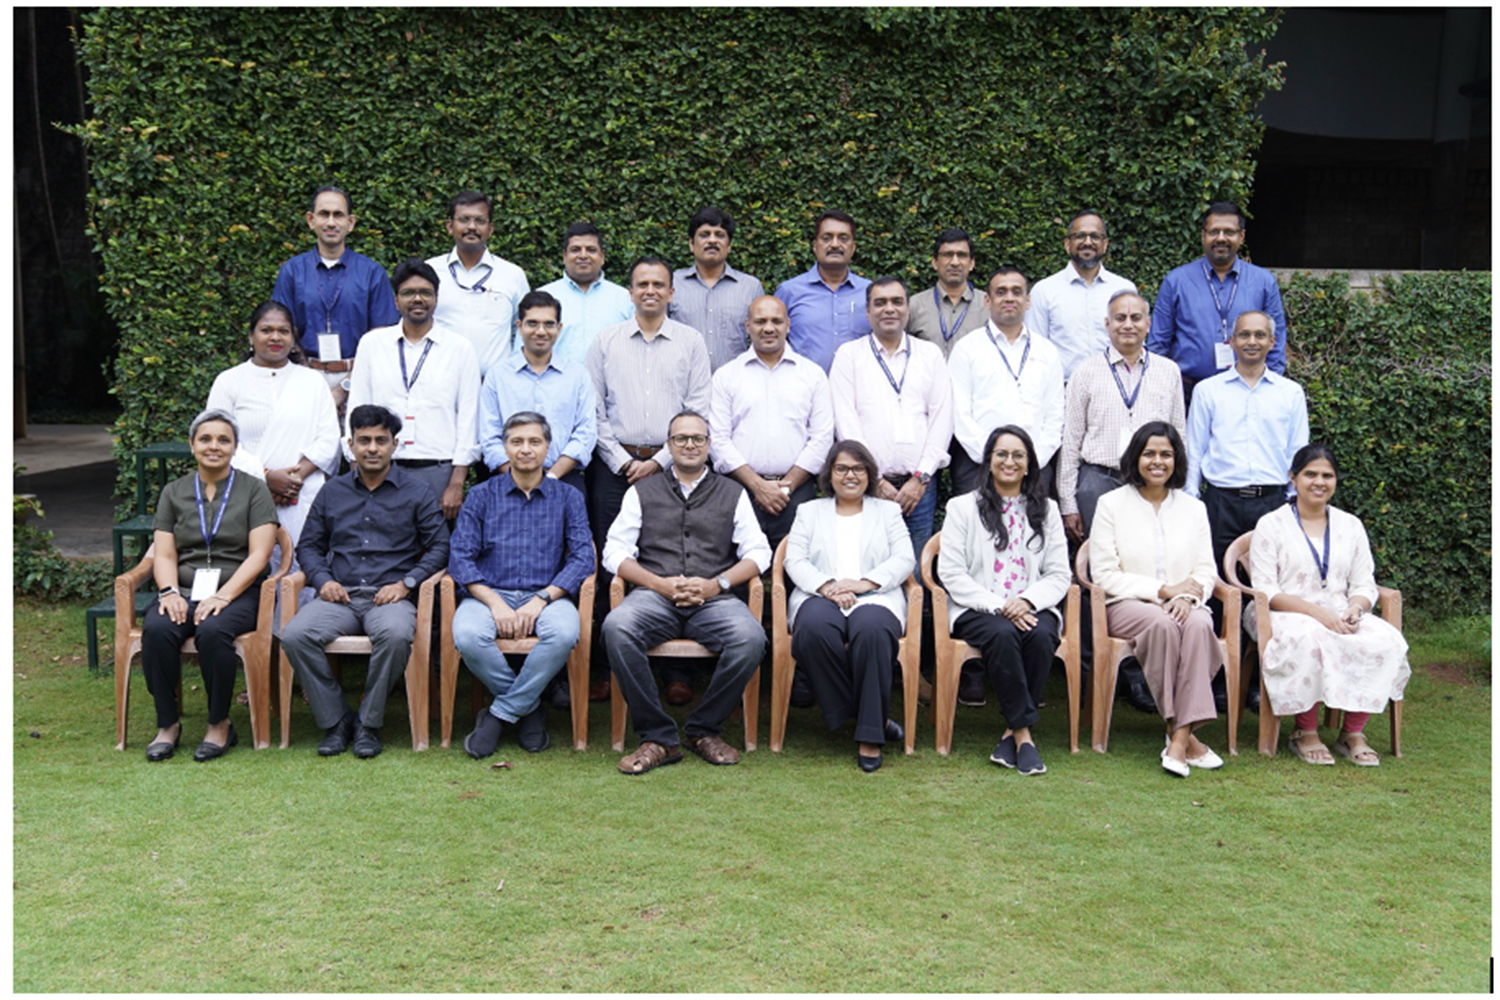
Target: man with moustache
x=591, y=301
x=953, y=308
x=481, y=289
x=712, y=297
x=825, y=304
x=1068, y=308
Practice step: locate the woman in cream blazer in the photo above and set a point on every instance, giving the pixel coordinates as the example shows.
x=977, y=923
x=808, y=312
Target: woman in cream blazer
x=847, y=556
x=1151, y=553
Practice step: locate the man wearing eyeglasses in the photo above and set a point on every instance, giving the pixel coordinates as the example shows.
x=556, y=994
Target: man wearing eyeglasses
x=827, y=304
x=428, y=376
x=482, y=289
x=952, y=308
x=1068, y=308
x=1199, y=302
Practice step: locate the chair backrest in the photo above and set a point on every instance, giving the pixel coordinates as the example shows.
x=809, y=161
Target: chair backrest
x=1081, y=566
x=1237, y=561
x=928, y=568
x=778, y=563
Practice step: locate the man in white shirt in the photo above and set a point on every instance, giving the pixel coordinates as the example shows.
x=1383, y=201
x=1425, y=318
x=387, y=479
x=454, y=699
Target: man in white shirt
x=1004, y=375
x=428, y=376
x=590, y=301
x=772, y=420
x=1068, y=307
x=481, y=289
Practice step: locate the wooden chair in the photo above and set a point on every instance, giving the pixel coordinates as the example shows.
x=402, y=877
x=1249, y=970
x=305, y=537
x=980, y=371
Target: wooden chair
x=1237, y=573
x=1109, y=651
x=578, y=661
x=253, y=648
x=749, y=701
x=951, y=653
x=417, y=664
x=908, y=652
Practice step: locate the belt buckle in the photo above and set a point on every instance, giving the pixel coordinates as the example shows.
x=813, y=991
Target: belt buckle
x=1249, y=492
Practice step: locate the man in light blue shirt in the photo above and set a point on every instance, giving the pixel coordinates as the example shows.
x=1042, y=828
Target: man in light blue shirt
x=480, y=290
x=590, y=300
x=712, y=297
x=827, y=304
x=535, y=380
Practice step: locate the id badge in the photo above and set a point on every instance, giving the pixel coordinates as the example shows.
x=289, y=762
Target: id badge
x=1023, y=414
x=1223, y=356
x=408, y=430
x=1125, y=435
x=906, y=427
x=205, y=584
x=329, y=348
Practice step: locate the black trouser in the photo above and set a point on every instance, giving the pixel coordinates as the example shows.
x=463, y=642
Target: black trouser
x=1018, y=662
x=1233, y=511
x=606, y=491
x=1093, y=482
x=850, y=681
x=161, y=654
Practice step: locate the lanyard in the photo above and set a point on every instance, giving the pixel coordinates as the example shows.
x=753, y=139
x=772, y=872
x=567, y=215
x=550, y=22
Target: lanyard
x=1129, y=400
x=886, y=368
x=957, y=323
x=478, y=286
x=209, y=536
x=1025, y=352
x=338, y=290
x=401, y=349
x=1321, y=563
x=1223, y=309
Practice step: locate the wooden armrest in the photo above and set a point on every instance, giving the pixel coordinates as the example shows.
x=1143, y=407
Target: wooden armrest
x=1390, y=605
x=127, y=583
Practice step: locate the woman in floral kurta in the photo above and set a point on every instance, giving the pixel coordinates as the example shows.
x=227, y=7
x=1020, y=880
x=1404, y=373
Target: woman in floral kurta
x=1313, y=562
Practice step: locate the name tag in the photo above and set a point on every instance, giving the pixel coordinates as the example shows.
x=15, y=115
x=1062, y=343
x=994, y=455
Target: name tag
x=1125, y=435
x=408, y=430
x=205, y=584
x=329, y=348
x=1023, y=414
x=1223, y=356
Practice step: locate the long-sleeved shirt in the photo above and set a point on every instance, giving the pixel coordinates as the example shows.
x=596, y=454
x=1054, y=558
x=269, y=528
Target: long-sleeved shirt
x=1243, y=436
x=941, y=320
x=1195, y=312
x=640, y=385
x=563, y=393
x=718, y=312
x=437, y=398
x=996, y=382
x=1070, y=312
x=479, y=304
x=370, y=538
x=586, y=313
x=623, y=540
x=349, y=299
x=824, y=319
x=770, y=418
x=907, y=431
x=509, y=541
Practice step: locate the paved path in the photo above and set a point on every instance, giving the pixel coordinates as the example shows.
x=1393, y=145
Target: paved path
x=71, y=470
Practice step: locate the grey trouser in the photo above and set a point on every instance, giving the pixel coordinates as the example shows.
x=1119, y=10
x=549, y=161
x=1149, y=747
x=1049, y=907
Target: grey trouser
x=390, y=628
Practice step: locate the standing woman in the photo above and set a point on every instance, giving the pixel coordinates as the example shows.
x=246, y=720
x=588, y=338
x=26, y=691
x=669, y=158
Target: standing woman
x=1313, y=562
x=215, y=529
x=1151, y=552
x=847, y=557
x=290, y=428
x=1004, y=563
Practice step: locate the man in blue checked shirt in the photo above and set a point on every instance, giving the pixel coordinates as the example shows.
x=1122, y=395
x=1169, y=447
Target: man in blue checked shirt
x=827, y=303
x=520, y=548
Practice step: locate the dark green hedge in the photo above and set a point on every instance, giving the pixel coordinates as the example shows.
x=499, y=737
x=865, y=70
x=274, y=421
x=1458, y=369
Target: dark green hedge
x=210, y=128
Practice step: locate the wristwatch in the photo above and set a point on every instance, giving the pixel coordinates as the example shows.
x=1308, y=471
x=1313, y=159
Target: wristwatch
x=168, y=590
x=546, y=597
x=724, y=584
x=925, y=478
x=409, y=582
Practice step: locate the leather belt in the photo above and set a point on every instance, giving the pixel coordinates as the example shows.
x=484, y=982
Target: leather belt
x=419, y=463
x=898, y=480
x=1250, y=492
x=329, y=366
x=643, y=451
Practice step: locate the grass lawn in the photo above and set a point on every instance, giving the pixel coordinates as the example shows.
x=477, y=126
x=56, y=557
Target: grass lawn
x=283, y=871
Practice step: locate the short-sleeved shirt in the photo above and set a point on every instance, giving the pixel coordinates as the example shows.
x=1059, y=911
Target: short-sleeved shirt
x=249, y=506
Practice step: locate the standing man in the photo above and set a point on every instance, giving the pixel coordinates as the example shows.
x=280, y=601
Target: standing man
x=373, y=535
x=482, y=289
x=825, y=303
x=521, y=548
x=1068, y=308
x=428, y=376
x=892, y=393
x=772, y=421
x=712, y=297
x=1005, y=376
x=591, y=300
x=1200, y=301
x=335, y=294
x=684, y=540
x=537, y=380
x=952, y=308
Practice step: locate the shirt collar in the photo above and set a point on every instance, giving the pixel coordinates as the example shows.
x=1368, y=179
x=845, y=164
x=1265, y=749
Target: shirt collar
x=879, y=347
x=664, y=331
x=486, y=259
x=1113, y=357
x=729, y=272
x=598, y=283
x=967, y=295
x=319, y=262
x=1235, y=270
x=435, y=333
x=394, y=476
x=1002, y=339
x=554, y=363
x=1102, y=278
x=508, y=485
x=813, y=278
x=688, y=488
x=788, y=356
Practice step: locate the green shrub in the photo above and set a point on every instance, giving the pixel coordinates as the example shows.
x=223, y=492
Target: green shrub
x=39, y=570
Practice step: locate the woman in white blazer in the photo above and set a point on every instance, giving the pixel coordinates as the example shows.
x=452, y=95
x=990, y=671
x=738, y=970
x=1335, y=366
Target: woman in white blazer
x=1004, y=563
x=847, y=556
x=1151, y=552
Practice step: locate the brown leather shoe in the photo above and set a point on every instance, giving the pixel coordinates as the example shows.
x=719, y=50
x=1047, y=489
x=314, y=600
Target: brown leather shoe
x=679, y=693
x=599, y=690
x=712, y=749
x=648, y=756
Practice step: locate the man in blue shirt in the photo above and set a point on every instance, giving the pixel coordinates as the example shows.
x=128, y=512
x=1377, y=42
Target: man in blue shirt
x=827, y=304
x=372, y=536
x=522, y=545
x=335, y=294
x=1199, y=302
x=591, y=300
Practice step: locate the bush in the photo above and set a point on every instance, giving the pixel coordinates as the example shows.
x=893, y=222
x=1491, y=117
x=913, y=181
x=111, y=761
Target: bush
x=41, y=571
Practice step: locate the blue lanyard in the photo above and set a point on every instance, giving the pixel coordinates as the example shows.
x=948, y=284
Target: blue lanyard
x=1327, y=525
x=338, y=291
x=1223, y=309
x=957, y=323
x=401, y=350
x=478, y=286
x=1129, y=400
x=886, y=368
x=1025, y=352
x=209, y=536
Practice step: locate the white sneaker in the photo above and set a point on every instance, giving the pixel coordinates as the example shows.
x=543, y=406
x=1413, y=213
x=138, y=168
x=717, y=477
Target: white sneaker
x=1174, y=766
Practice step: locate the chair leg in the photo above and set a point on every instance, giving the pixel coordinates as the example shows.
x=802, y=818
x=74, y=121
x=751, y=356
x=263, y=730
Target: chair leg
x=944, y=697
x=616, y=719
x=1075, y=682
x=750, y=703
x=782, y=666
x=1107, y=655
x=1270, y=725
x=448, y=690
x=1396, y=728
x=910, y=672
x=418, y=681
x=122, y=693
x=285, y=672
x=1233, y=670
x=578, y=690
x=257, y=686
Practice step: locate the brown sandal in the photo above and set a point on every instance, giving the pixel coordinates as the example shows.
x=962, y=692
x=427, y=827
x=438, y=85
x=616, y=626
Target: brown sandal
x=649, y=756
x=713, y=749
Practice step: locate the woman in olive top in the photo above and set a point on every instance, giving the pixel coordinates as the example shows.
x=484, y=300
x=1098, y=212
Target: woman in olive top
x=215, y=529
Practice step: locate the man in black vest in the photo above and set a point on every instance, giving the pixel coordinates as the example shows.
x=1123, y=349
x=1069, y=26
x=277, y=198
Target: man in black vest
x=683, y=540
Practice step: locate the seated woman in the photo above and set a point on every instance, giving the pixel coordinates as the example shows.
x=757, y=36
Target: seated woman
x=1313, y=561
x=1151, y=553
x=215, y=530
x=291, y=428
x=1004, y=563
x=847, y=557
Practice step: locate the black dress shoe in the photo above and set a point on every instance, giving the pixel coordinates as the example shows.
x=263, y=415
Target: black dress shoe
x=802, y=693
x=531, y=731
x=971, y=686
x=208, y=751
x=366, y=741
x=1252, y=699
x=1221, y=695
x=868, y=764
x=558, y=695
x=161, y=750
x=1132, y=684
x=336, y=740
x=894, y=731
x=485, y=737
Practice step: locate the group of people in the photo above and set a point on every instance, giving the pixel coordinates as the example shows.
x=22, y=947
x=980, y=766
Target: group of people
x=683, y=426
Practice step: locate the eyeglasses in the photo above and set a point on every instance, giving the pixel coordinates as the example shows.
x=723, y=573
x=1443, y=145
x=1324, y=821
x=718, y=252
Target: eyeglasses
x=472, y=220
x=850, y=470
x=532, y=325
x=1221, y=234
x=416, y=293
x=953, y=255
x=683, y=440
x=1019, y=457
x=1087, y=237
x=1253, y=334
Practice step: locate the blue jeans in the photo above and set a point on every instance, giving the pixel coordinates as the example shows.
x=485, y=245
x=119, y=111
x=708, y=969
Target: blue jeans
x=516, y=695
x=919, y=521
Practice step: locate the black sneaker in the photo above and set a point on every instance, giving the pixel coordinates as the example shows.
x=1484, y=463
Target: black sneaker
x=336, y=740
x=531, y=731
x=1028, y=760
x=1005, y=752
x=558, y=695
x=485, y=737
x=802, y=692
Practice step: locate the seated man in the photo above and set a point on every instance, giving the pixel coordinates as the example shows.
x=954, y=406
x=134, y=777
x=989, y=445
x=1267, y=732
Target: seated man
x=372, y=536
x=520, y=548
x=684, y=540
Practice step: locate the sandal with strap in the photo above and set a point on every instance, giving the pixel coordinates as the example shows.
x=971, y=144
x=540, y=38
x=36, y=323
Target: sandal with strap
x=1360, y=754
x=649, y=756
x=713, y=750
x=1309, y=754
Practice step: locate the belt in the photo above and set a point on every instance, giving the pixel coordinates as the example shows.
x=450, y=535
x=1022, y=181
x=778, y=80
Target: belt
x=329, y=366
x=419, y=463
x=771, y=476
x=646, y=451
x=1113, y=471
x=1249, y=492
x=897, y=480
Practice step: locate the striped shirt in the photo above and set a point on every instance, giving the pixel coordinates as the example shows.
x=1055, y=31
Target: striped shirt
x=509, y=541
x=640, y=385
x=718, y=312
